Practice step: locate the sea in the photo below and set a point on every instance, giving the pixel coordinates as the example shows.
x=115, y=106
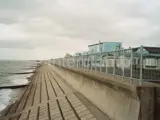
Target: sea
x=9, y=76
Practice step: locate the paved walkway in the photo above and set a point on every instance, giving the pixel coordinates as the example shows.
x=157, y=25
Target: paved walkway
x=48, y=98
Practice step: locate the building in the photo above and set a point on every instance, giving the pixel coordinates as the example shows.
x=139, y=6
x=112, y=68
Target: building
x=67, y=55
x=151, y=57
x=148, y=50
x=104, y=47
x=100, y=48
x=81, y=53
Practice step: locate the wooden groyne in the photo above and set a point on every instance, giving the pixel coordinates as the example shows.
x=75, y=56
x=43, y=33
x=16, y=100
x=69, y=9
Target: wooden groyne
x=24, y=72
x=47, y=97
x=13, y=86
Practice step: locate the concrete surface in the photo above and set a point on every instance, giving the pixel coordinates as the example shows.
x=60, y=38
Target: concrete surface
x=48, y=98
x=117, y=99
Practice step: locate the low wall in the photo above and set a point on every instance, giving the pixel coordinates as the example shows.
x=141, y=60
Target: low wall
x=117, y=100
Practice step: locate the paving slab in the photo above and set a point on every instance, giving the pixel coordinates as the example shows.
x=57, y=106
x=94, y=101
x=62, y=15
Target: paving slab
x=48, y=98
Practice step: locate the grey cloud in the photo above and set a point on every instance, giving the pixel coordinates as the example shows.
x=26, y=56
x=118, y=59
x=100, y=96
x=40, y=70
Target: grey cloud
x=14, y=44
x=57, y=24
x=11, y=11
x=8, y=20
x=106, y=26
x=18, y=4
x=28, y=44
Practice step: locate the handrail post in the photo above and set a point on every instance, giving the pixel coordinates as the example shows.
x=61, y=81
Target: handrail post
x=88, y=62
x=100, y=63
x=107, y=63
x=66, y=61
x=141, y=65
x=131, y=69
x=95, y=64
x=114, y=66
x=123, y=64
x=59, y=61
x=82, y=61
x=91, y=62
x=77, y=60
x=63, y=62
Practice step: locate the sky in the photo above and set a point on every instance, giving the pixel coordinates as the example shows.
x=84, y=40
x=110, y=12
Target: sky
x=44, y=29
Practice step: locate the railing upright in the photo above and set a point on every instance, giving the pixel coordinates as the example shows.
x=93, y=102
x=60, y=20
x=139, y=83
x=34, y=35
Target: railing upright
x=141, y=65
x=59, y=61
x=91, y=62
x=100, y=63
x=114, y=65
x=131, y=68
x=123, y=64
x=106, y=63
x=77, y=61
x=95, y=63
x=88, y=62
x=82, y=61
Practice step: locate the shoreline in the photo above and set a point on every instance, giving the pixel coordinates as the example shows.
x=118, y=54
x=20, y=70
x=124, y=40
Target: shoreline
x=12, y=101
x=15, y=96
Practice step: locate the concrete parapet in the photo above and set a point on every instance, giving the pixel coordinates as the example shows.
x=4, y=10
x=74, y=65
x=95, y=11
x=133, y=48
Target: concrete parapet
x=118, y=100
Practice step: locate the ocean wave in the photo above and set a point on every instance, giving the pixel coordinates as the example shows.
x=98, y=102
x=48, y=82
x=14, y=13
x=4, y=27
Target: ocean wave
x=4, y=98
x=20, y=79
x=8, y=96
x=3, y=74
x=15, y=79
x=2, y=106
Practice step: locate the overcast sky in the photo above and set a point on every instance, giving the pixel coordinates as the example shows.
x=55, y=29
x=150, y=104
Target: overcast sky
x=43, y=29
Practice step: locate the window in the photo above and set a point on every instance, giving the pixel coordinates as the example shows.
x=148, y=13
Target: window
x=151, y=62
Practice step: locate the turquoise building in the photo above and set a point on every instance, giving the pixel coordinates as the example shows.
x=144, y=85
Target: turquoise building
x=101, y=47
x=104, y=47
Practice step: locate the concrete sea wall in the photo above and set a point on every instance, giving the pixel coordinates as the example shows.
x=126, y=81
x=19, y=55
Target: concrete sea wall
x=119, y=101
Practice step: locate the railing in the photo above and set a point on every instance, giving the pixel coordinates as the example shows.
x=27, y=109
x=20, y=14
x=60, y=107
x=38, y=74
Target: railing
x=133, y=63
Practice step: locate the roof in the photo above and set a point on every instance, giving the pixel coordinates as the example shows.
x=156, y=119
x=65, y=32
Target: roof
x=102, y=43
x=149, y=49
x=135, y=49
x=152, y=49
x=95, y=44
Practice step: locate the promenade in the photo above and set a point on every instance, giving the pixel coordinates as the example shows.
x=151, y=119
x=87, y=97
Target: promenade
x=48, y=98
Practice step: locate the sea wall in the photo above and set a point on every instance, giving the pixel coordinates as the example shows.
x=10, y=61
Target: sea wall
x=118, y=100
